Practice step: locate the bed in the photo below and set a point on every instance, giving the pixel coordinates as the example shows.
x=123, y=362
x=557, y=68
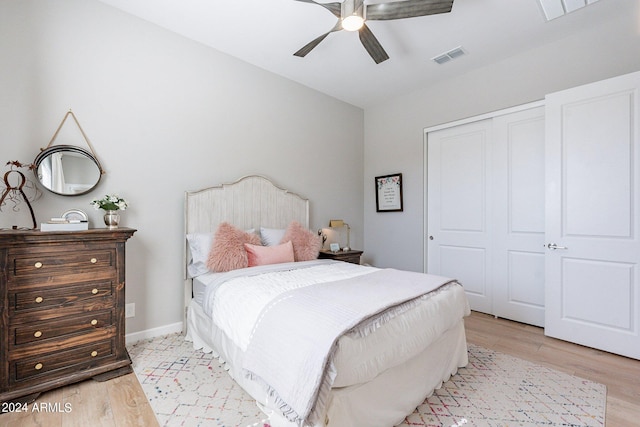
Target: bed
x=372, y=368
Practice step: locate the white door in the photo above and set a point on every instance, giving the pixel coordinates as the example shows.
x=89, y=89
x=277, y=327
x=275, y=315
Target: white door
x=592, y=293
x=518, y=216
x=458, y=209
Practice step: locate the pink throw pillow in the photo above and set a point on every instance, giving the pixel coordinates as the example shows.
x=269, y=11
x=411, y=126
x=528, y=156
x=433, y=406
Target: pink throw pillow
x=306, y=243
x=227, y=252
x=263, y=255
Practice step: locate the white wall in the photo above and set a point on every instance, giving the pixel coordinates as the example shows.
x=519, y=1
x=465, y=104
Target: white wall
x=394, y=130
x=165, y=115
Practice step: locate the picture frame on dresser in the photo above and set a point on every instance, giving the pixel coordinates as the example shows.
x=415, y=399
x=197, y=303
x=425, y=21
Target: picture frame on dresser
x=62, y=317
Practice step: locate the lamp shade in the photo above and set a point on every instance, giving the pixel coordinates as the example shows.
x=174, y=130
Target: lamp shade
x=353, y=23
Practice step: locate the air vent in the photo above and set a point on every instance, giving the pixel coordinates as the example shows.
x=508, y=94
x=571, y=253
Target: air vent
x=449, y=55
x=556, y=8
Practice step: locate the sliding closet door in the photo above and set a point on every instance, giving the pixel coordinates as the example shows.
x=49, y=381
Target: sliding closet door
x=458, y=208
x=593, y=215
x=518, y=216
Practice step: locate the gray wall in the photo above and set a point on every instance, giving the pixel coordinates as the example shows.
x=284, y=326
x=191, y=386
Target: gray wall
x=394, y=130
x=165, y=115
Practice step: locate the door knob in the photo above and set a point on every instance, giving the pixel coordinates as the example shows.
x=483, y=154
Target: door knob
x=554, y=246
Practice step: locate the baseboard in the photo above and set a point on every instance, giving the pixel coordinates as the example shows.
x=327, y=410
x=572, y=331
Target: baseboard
x=152, y=333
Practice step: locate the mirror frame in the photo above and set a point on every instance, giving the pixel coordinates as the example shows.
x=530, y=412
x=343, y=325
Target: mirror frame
x=66, y=148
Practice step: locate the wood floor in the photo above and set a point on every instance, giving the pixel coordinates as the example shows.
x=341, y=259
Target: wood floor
x=121, y=401
x=621, y=375
x=114, y=403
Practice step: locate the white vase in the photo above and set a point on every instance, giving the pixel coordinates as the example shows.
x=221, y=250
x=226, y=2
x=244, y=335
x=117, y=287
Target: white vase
x=111, y=219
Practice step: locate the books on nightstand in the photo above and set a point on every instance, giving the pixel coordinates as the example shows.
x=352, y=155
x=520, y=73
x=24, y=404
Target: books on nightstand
x=61, y=224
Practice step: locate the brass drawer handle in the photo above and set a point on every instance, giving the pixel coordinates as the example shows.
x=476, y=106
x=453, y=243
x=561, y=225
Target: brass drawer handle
x=39, y=299
x=38, y=366
x=38, y=264
x=93, y=260
x=94, y=291
x=94, y=353
x=94, y=322
x=37, y=334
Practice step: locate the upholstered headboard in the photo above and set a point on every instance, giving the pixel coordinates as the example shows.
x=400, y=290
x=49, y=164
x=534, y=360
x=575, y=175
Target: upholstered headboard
x=250, y=202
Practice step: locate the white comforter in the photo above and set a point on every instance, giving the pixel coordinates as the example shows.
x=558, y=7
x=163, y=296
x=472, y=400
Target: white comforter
x=292, y=344
x=234, y=300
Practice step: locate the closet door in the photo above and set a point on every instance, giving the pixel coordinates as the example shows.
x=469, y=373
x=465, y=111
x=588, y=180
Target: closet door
x=458, y=208
x=518, y=216
x=592, y=290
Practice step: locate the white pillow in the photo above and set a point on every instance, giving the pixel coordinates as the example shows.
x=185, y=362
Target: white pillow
x=271, y=236
x=199, y=248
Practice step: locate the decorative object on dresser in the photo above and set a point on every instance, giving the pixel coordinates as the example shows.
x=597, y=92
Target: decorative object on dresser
x=111, y=219
x=16, y=184
x=352, y=256
x=68, y=170
x=71, y=220
x=111, y=204
x=62, y=316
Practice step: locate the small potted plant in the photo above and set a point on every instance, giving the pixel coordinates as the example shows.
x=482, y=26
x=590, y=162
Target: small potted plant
x=111, y=204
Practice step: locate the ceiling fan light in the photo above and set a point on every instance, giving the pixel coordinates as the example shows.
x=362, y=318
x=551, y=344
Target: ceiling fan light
x=352, y=23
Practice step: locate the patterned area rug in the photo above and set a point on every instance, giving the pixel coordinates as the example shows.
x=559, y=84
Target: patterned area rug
x=191, y=388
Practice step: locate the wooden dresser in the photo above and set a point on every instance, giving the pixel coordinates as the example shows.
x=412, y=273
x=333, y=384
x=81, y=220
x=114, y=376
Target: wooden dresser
x=62, y=309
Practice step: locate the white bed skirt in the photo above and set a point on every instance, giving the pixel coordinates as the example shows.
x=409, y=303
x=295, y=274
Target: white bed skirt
x=383, y=402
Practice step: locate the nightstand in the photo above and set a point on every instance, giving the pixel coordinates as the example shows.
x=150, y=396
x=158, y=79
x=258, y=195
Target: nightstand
x=351, y=256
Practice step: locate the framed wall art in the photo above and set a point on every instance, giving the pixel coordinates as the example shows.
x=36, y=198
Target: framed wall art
x=389, y=193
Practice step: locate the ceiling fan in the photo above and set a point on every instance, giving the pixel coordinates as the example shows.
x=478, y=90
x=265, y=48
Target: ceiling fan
x=352, y=15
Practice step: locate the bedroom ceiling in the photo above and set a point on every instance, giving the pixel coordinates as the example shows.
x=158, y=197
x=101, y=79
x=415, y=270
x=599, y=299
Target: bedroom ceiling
x=266, y=33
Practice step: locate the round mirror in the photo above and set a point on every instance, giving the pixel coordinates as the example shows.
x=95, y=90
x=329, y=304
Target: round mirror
x=67, y=170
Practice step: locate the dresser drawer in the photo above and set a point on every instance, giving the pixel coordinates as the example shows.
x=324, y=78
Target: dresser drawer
x=55, y=363
x=56, y=262
x=52, y=297
x=40, y=331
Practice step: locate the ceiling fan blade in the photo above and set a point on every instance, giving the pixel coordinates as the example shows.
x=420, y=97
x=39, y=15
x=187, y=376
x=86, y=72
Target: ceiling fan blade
x=407, y=9
x=310, y=46
x=334, y=8
x=373, y=46
x=315, y=42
